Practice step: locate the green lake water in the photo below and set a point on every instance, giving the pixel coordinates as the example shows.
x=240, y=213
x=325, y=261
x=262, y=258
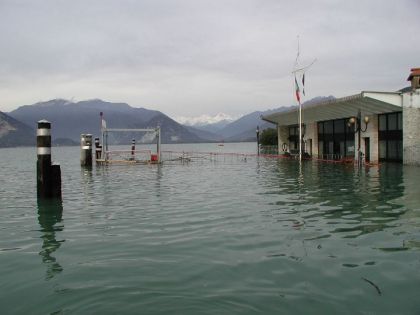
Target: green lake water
x=232, y=235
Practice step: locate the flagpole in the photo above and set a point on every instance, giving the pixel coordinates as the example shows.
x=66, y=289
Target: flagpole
x=297, y=91
x=300, y=131
x=303, y=69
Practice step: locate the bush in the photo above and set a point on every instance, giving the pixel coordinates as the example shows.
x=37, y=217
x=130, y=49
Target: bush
x=268, y=137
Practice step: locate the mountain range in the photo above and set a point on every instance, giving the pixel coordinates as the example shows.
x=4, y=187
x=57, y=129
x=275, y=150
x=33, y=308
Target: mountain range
x=70, y=119
x=244, y=128
x=15, y=133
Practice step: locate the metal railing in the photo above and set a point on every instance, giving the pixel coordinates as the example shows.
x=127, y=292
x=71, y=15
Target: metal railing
x=269, y=149
x=335, y=157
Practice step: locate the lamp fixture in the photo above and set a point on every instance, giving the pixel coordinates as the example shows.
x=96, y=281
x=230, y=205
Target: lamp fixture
x=357, y=121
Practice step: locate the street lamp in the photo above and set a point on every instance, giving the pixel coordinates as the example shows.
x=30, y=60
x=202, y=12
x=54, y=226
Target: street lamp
x=357, y=122
x=258, y=140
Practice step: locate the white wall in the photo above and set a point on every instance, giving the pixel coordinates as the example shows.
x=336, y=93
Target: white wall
x=312, y=133
x=411, y=128
x=283, y=135
x=371, y=133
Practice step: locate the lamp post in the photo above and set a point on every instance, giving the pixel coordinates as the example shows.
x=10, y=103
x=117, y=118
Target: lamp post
x=357, y=122
x=258, y=140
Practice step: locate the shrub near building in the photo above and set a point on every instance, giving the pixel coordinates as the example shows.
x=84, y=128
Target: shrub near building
x=268, y=137
x=268, y=141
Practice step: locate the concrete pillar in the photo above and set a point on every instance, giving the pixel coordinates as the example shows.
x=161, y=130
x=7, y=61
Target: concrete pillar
x=283, y=139
x=86, y=150
x=373, y=135
x=315, y=144
x=48, y=175
x=311, y=136
x=411, y=129
x=370, y=132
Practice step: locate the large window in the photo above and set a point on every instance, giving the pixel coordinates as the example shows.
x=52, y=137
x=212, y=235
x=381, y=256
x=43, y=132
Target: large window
x=294, y=137
x=390, y=137
x=335, y=139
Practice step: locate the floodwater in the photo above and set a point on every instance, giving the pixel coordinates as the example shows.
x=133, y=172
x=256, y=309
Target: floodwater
x=232, y=235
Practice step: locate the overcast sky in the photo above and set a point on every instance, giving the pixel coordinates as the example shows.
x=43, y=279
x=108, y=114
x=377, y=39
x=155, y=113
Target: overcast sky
x=193, y=57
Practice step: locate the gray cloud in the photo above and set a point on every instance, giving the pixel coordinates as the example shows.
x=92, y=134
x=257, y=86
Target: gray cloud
x=188, y=57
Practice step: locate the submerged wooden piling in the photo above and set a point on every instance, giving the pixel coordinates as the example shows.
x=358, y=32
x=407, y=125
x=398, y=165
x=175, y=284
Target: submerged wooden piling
x=48, y=174
x=85, y=149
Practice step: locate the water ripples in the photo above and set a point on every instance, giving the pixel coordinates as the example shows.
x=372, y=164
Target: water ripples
x=209, y=237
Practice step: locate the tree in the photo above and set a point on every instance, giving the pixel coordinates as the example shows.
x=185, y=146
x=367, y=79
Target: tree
x=268, y=137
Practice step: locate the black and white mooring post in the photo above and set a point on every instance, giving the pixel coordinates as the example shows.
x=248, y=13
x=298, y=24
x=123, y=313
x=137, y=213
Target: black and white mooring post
x=48, y=175
x=85, y=149
x=133, y=149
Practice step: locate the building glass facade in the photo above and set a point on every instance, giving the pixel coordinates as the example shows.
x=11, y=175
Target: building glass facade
x=390, y=137
x=335, y=139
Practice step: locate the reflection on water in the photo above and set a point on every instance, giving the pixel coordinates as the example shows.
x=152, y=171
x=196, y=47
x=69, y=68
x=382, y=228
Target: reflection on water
x=351, y=202
x=49, y=216
x=87, y=174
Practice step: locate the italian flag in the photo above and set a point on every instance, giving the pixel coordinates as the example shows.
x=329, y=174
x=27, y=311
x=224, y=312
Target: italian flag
x=297, y=90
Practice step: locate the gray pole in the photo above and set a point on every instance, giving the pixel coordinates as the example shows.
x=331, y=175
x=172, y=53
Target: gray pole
x=258, y=140
x=86, y=149
x=104, y=138
x=158, y=143
x=106, y=145
x=300, y=132
x=359, y=130
x=48, y=175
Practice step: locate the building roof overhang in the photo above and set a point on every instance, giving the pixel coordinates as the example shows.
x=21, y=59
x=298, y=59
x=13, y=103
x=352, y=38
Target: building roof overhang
x=368, y=102
x=415, y=72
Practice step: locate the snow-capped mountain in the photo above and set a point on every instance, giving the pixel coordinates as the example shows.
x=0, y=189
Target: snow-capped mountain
x=204, y=120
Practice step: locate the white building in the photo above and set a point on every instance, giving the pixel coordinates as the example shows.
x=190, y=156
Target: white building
x=377, y=126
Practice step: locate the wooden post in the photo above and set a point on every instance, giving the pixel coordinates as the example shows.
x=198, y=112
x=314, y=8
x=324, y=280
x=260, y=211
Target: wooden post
x=98, y=149
x=86, y=149
x=48, y=175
